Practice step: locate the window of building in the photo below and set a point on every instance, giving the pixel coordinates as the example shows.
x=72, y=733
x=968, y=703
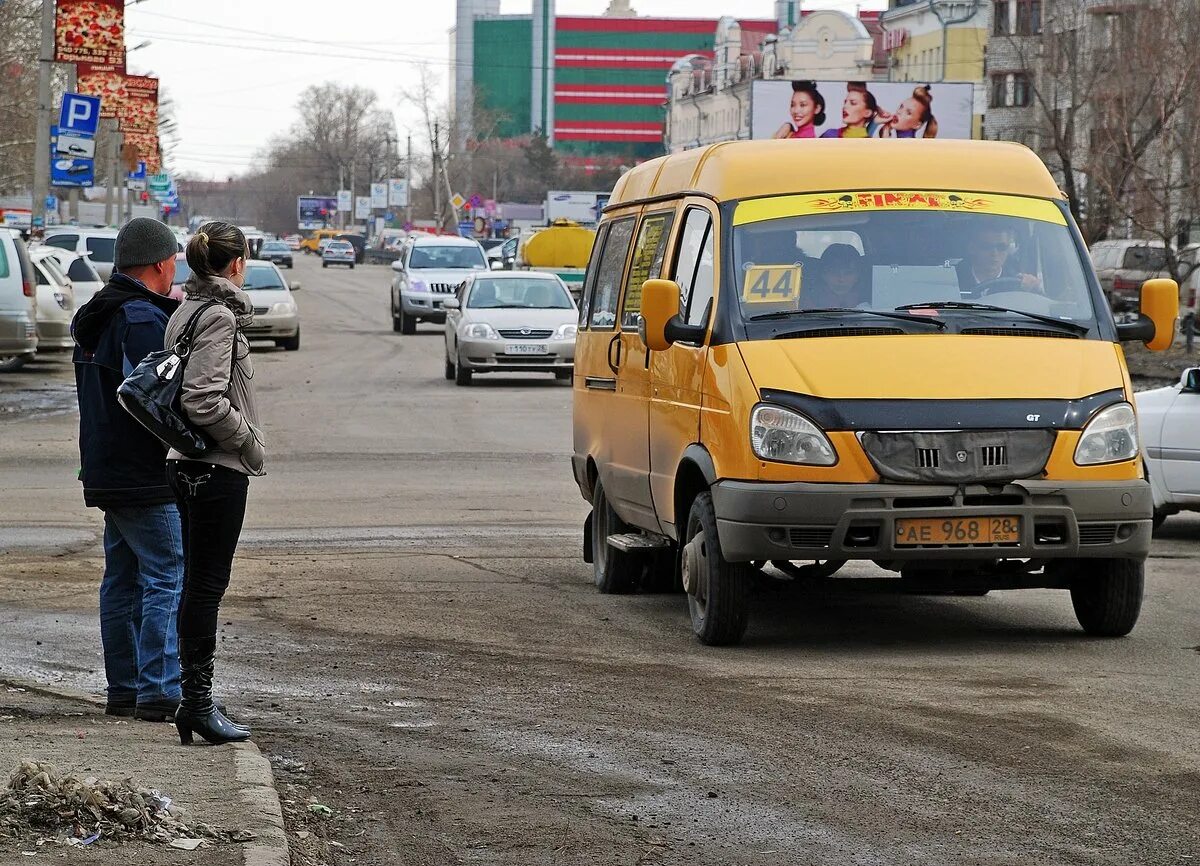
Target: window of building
x=1029, y=17
x=1001, y=24
x=1010, y=90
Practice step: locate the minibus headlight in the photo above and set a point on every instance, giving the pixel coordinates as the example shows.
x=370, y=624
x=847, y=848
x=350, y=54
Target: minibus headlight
x=1110, y=437
x=783, y=436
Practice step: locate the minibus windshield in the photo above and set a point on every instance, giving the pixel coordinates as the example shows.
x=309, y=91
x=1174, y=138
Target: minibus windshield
x=975, y=262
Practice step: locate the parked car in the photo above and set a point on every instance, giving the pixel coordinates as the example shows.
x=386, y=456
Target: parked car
x=81, y=272
x=277, y=252
x=293, y=242
x=55, y=302
x=503, y=256
x=430, y=270
x=18, y=303
x=1123, y=265
x=1169, y=425
x=276, y=316
x=101, y=243
x=338, y=252
x=510, y=322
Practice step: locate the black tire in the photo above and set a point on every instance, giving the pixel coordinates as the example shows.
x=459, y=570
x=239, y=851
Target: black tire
x=562, y=375
x=11, y=363
x=324, y=264
x=451, y=372
x=290, y=344
x=719, y=604
x=462, y=375
x=408, y=325
x=1107, y=595
x=613, y=571
x=351, y=267
x=1160, y=517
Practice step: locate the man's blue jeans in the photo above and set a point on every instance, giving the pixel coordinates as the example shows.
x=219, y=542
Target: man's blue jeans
x=139, y=602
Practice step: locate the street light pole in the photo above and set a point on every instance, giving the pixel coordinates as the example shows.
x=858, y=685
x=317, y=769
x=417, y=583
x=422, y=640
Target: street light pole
x=41, y=155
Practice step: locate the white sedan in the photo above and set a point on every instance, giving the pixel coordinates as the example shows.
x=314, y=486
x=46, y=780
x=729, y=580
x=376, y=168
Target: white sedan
x=1169, y=425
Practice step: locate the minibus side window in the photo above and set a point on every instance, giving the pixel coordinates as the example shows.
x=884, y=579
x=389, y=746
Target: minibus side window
x=607, y=291
x=694, y=266
x=589, y=279
x=648, y=255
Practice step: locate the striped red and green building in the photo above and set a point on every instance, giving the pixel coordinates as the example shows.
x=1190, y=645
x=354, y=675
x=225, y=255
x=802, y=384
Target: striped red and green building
x=607, y=76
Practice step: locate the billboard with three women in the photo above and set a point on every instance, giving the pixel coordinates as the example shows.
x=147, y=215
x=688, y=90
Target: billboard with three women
x=858, y=109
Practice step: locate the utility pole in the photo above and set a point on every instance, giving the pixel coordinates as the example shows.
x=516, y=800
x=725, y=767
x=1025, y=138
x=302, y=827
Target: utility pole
x=41, y=153
x=341, y=220
x=112, y=200
x=437, y=177
x=408, y=176
x=353, y=191
x=73, y=194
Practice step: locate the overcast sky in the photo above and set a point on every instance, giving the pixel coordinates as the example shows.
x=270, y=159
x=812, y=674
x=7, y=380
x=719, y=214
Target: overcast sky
x=234, y=68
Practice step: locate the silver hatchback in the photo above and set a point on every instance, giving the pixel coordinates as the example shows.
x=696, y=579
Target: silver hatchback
x=18, y=303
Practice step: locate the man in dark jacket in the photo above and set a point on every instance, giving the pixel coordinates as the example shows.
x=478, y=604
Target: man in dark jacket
x=124, y=474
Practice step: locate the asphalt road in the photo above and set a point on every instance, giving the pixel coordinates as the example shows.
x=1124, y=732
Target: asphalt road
x=415, y=638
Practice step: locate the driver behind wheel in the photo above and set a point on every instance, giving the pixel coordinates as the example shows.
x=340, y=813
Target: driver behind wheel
x=987, y=268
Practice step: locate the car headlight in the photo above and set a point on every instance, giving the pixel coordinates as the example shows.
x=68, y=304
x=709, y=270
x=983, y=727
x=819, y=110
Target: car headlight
x=418, y=286
x=60, y=298
x=283, y=307
x=783, y=436
x=1110, y=437
x=480, y=331
x=565, y=332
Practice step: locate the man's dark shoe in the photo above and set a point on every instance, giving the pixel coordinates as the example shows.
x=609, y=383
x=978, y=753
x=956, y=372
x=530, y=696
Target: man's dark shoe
x=119, y=707
x=156, y=711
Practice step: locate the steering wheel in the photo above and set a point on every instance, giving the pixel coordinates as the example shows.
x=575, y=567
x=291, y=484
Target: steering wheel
x=1000, y=284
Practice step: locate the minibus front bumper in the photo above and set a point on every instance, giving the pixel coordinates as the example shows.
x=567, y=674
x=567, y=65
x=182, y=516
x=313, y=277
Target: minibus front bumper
x=1057, y=520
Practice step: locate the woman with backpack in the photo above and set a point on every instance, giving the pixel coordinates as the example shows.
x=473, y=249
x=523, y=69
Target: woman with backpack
x=217, y=397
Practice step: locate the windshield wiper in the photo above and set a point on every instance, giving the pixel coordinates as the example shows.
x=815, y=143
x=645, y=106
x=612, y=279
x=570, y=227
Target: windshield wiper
x=787, y=314
x=1074, y=327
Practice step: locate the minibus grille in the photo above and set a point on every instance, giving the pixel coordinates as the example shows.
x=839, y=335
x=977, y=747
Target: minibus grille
x=957, y=456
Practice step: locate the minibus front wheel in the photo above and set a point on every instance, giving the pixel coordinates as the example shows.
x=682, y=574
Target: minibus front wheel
x=1107, y=595
x=716, y=589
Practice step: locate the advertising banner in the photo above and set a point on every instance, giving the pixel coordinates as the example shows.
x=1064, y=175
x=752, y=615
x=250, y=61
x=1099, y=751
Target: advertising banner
x=856, y=109
x=141, y=147
x=90, y=31
x=379, y=195
x=577, y=206
x=362, y=207
x=345, y=200
x=105, y=82
x=398, y=192
x=315, y=211
x=138, y=110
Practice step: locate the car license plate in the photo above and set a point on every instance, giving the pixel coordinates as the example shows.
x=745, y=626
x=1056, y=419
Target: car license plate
x=957, y=530
x=525, y=349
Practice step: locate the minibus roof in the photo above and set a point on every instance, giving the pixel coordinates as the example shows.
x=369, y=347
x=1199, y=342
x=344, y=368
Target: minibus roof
x=751, y=169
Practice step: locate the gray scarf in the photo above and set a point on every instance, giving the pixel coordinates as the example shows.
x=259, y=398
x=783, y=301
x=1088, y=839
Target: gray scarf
x=198, y=288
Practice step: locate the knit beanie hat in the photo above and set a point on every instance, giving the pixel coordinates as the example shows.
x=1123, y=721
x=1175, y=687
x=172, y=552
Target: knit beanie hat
x=144, y=241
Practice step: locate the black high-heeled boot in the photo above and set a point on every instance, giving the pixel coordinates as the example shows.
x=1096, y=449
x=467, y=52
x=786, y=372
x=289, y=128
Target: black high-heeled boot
x=197, y=713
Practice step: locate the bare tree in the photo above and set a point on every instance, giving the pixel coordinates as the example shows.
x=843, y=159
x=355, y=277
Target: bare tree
x=19, y=43
x=1107, y=82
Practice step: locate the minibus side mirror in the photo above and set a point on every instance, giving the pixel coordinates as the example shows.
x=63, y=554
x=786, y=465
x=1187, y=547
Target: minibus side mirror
x=1159, y=309
x=660, y=324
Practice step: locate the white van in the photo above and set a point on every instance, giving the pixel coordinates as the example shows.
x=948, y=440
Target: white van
x=101, y=243
x=55, y=301
x=18, y=303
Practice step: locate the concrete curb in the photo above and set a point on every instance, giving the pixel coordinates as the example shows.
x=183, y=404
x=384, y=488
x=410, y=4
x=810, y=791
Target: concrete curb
x=256, y=783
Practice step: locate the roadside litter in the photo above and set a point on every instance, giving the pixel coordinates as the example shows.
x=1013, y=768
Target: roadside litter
x=65, y=809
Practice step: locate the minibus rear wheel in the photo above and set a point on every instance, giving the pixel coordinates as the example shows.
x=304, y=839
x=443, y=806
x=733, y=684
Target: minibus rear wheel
x=716, y=589
x=614, y=571
x=1107, y=595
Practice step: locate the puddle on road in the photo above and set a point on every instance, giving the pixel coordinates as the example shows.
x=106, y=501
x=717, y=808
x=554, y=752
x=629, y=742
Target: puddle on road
x=43, y=401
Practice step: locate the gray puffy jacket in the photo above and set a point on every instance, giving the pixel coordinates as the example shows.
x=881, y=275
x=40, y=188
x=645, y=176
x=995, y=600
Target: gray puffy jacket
x=218, y=382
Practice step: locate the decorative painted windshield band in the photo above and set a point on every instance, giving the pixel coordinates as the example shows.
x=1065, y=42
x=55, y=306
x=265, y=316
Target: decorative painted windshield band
x=777, y=207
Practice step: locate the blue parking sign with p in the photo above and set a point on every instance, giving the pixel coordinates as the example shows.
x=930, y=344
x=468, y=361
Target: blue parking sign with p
x=80, y=114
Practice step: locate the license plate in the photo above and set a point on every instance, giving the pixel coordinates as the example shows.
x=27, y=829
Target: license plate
x=525, y=349
x=912, y=532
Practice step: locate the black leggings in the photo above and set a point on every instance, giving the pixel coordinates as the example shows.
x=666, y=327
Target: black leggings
x=212, y=505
